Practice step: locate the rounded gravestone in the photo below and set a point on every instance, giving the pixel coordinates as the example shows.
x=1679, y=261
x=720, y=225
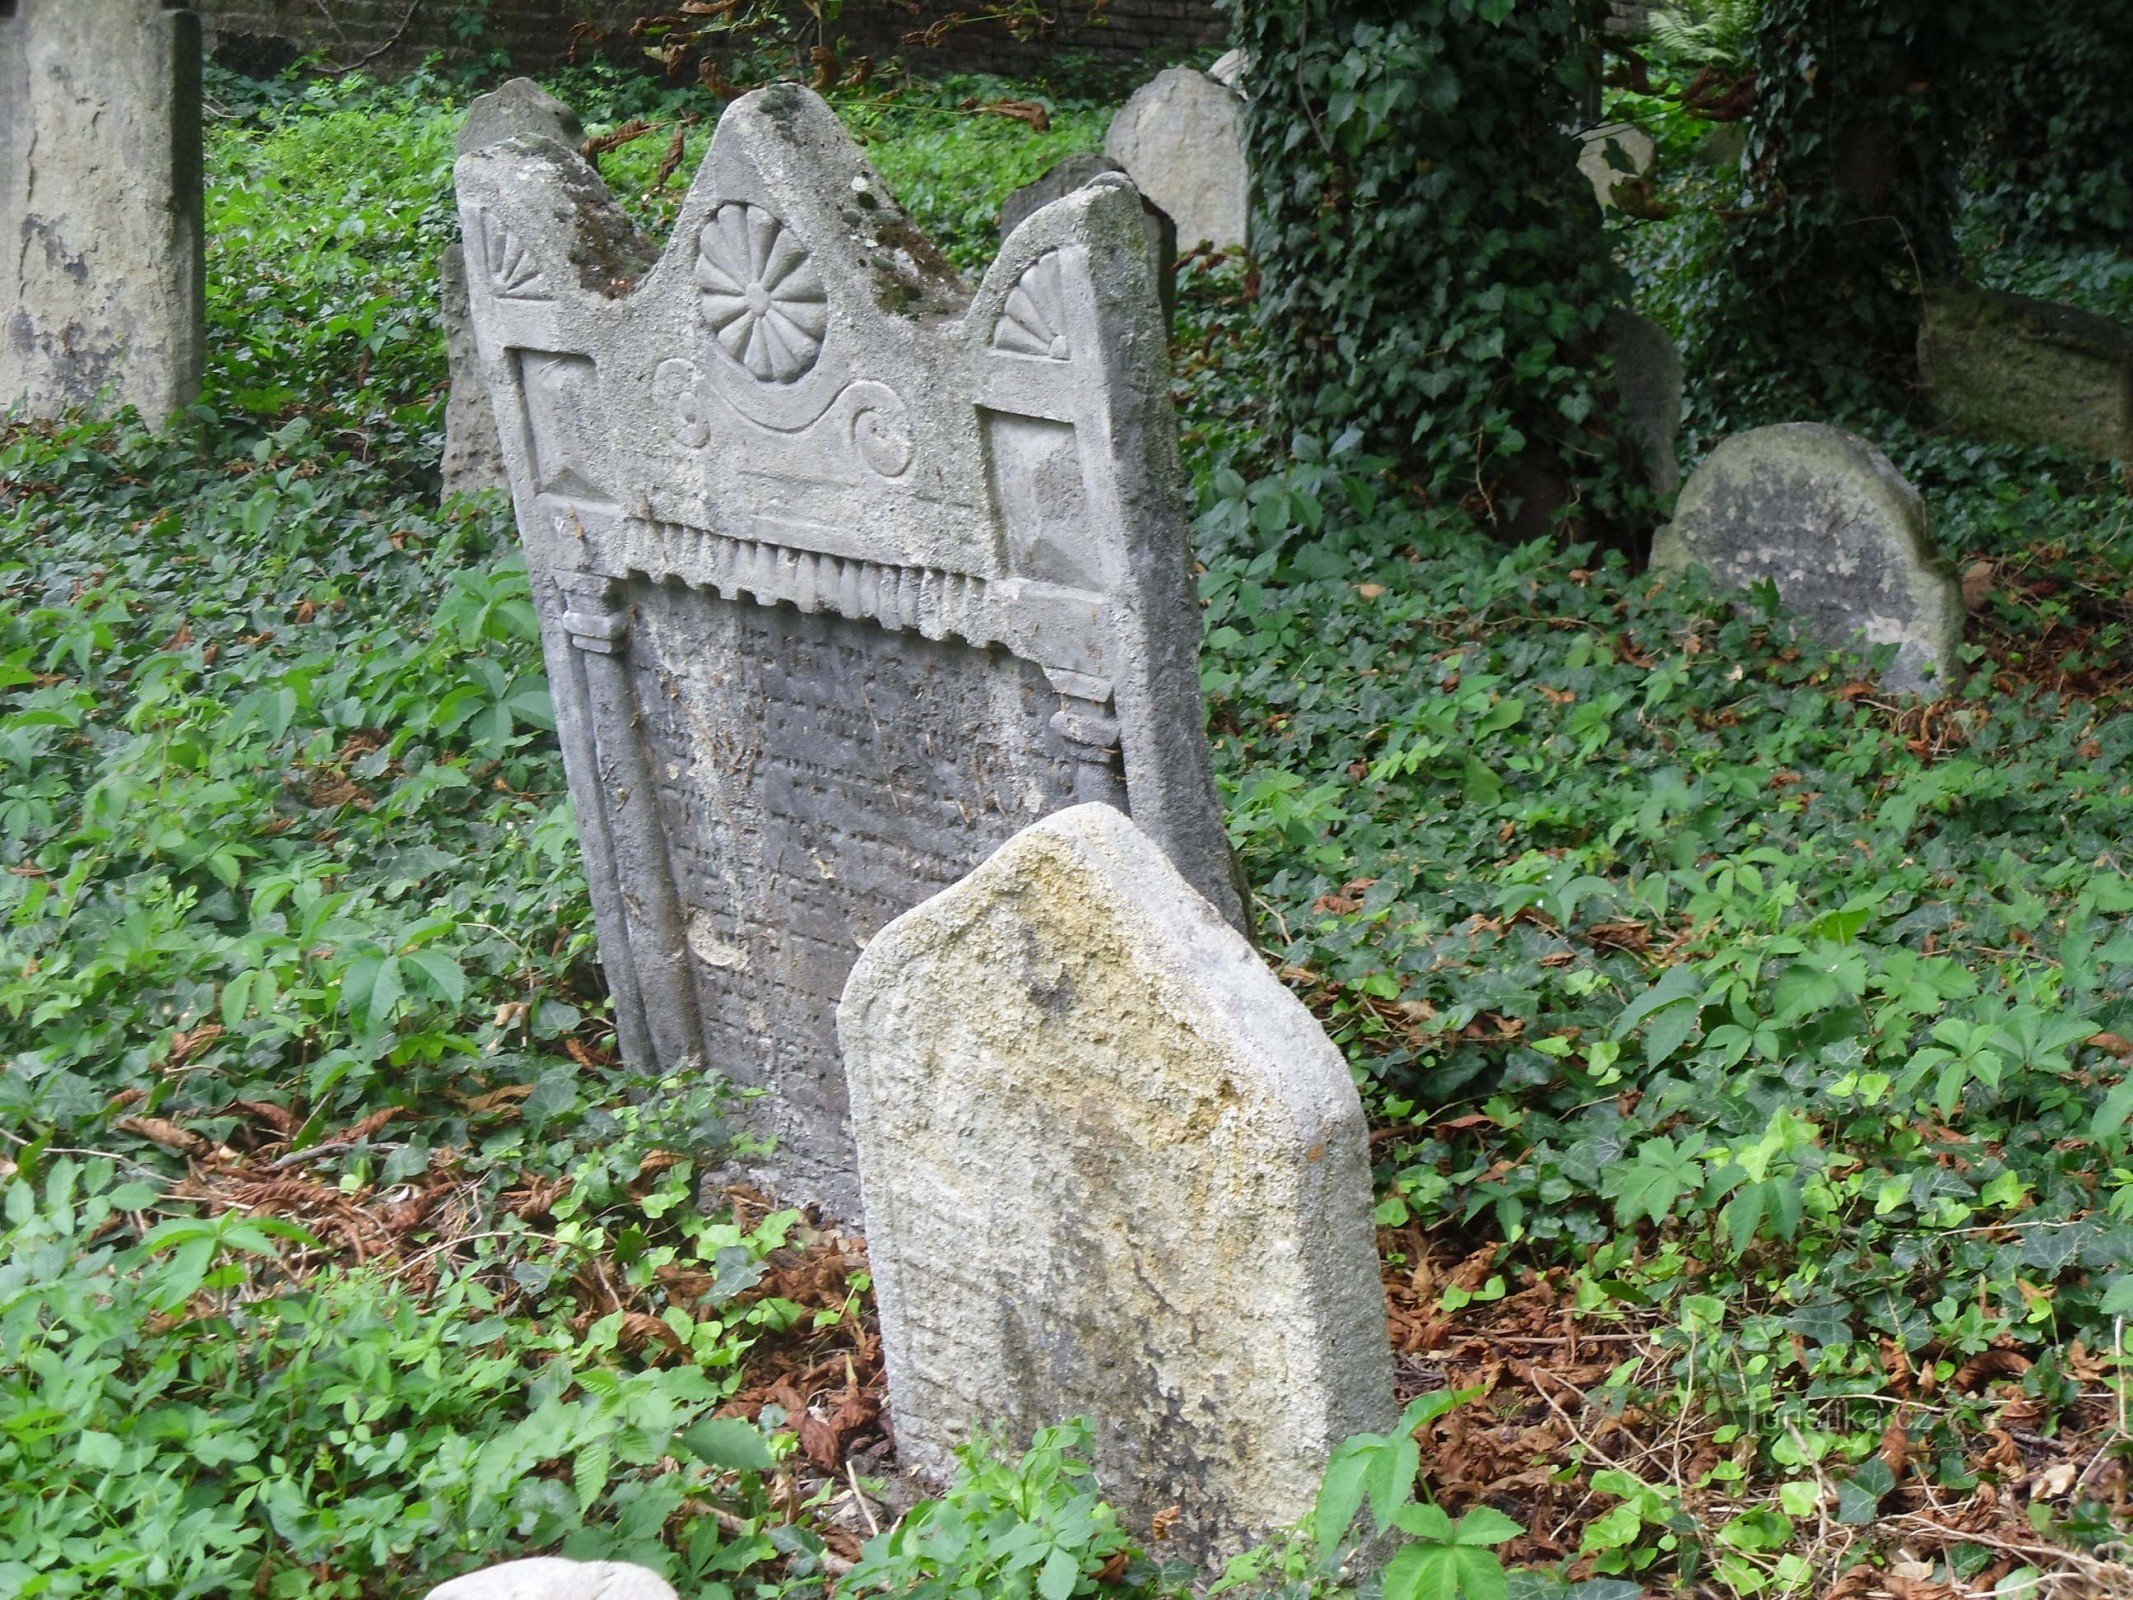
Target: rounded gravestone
x=552, y=1578
x=1830, y=521
x=1181, y=140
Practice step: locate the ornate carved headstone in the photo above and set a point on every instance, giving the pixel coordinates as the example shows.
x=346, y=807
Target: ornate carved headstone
x=1114, y=1168
x=101, y=277
x=1828, y=520
x=473, y=455
x=847, y=573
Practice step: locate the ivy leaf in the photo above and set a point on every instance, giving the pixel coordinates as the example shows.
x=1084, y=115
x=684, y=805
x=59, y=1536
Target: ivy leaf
x=1859, y=1496
x=729, y=1444
x=444, y=974
x=1650, y=1185
x=1061, y=1573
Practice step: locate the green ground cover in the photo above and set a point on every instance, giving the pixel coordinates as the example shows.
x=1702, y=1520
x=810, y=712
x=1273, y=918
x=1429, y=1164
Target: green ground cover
x=1758, y=1022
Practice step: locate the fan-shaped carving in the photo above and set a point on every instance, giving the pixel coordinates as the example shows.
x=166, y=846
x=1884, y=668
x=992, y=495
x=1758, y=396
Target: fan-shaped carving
x=512, y=273
x=760, y=294
x=1034, y=321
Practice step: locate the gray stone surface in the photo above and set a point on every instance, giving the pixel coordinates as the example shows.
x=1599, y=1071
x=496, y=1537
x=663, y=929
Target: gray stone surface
x=101, y=280
x=2034, y=371
x=1612, y=154
x=518, y=109
x=1067, y=176
x=553, y=1578
x=1181, y=139
x=1113, y=1167
x=1828, y=519
x=473, y=454
x=1648, y=383
x=847, y=572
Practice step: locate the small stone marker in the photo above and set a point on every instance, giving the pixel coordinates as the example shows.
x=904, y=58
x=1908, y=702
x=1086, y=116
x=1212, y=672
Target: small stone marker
x=1614, y=153
x=1067, y=176
x=553, y=1578
x=102, y=287
x=1181, y=139
x=847, y=573
x=2010, y=367
x=1648, y=384
x=1114, y=1168
x=1828, y=519
x=473, y=454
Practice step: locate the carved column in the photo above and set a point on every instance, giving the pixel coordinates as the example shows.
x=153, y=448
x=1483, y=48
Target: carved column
x=598, y=626
x=1091, y=735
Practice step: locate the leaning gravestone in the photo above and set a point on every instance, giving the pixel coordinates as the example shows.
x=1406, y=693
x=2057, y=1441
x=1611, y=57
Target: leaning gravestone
x=102, y=286
x=847, y=573
x=1830, y=521
x=2010, y=367
x=1648, y=384
x=1067, y=176
x=1114, y=1168
x=473, y=454
x=1181, y=139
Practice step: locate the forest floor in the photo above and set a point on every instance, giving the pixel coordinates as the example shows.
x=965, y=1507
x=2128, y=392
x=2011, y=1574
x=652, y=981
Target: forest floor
x=1746, y=1048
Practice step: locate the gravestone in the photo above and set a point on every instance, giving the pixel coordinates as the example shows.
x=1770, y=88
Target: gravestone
x=553, y=1578
x=1614, y=153
x=1648, y=385
x=1067, y=176
x=473, y=454
x=1828, y=519
x=1180, y=138
x=847, y=573
x=102, y=286
x=2009, y=367
x=1113, y=1168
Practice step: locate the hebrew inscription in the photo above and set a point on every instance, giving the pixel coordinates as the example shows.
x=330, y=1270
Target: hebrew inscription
x=848, y=573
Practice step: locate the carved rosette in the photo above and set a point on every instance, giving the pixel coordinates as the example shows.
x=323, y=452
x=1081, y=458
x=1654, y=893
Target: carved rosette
x=760, y=294
x=1034, y=320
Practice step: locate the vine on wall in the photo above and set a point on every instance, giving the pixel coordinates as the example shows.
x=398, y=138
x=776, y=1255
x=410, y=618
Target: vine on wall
x=1847, y=194
x=1434, y=273
x=2054, y=136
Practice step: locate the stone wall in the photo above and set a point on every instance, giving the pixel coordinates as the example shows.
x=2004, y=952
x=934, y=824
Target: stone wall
x=388, y=35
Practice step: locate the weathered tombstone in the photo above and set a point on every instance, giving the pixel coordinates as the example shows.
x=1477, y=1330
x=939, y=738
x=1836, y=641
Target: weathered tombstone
x=1614, y=153
x=2010, y=367
x=1113, y=1168
x=1181, y=140
x=473, y=454
x=847, y=574
x=553, y=1578
x=1648, y=383
x=1067, y=176
x=1828, y=519
x=102, y=291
